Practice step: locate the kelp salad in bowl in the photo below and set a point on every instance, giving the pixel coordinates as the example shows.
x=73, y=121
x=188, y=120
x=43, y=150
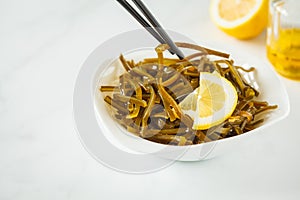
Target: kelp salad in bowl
x=184, y=102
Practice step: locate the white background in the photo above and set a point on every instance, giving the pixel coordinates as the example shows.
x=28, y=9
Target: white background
x=42, y=47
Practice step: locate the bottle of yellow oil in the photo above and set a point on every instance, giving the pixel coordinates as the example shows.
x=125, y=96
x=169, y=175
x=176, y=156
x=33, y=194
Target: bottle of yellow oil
x=283, y=51
x=283, y=37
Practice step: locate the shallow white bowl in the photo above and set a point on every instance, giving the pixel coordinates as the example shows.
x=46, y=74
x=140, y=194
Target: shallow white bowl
x=108, y=143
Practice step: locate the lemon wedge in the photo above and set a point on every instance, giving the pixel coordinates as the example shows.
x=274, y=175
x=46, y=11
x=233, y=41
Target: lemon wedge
x=212, y=102
x=243, y=19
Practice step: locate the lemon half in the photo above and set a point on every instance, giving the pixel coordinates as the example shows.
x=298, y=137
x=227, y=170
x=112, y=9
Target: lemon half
x=212, y=102
x=242, y=19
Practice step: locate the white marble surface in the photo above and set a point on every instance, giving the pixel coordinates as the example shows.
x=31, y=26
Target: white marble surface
x=42, y=46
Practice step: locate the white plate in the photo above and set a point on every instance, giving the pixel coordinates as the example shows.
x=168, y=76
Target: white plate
x=109, y=143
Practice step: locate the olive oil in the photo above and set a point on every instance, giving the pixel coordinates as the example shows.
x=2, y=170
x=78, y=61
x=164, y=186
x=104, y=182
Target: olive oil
x=283, y=51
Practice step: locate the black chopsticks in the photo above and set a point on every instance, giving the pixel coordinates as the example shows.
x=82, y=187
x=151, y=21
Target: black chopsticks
x=158, y=32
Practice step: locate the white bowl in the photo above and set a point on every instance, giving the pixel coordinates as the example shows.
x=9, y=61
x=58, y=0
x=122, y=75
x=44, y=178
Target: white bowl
x=100, y=133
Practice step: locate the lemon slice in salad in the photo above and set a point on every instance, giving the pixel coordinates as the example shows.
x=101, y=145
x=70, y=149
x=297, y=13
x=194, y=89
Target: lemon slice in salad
x=212, y=102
